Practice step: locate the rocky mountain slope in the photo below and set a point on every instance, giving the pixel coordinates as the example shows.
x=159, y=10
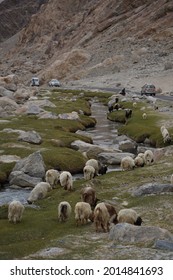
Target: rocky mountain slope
x=14, y=15
x=75, y=39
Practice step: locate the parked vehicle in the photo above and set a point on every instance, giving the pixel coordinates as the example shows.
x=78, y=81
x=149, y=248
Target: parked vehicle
x=148, y=89
x=35, y=81
x=54, y=83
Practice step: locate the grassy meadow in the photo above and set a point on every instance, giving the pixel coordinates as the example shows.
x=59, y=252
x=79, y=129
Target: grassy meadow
x=39, y=227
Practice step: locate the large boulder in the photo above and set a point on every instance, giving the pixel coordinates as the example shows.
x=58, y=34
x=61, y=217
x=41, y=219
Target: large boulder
x=30, y=137
x=128, y=146
x=7, y=106
x=127, y=233
x=19, y=178
x=33, y=165
x=113, y=158
x=152, y=188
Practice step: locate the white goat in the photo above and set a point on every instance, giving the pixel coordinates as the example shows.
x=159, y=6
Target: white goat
x=52, y=177
x=127, y=163
x=94, y=163
x=148, y=157
x=39, y=192
x=165, y=134
x=66, y=180
x=129, y=216
x=64, y=211
x=15, y=211
x=83, y=213
x=89, y=172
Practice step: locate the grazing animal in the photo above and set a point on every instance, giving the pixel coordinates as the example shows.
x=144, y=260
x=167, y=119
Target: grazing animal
x=39, y=192
x=141, y=155
x=127, y=163
x=101, y=217
x=64, y=211
x=144, y=116
x=88, y=194
x=110, y=106
x=89, y=172
x=129, y=216
x=139, y=161
x=52, y=177
x=134, y=104
x=165, y=134
x=94, y=163
x=148, y=157
x=66, y=180
x=128, y=113
x=112, y=213
x=83, y=213
x=102, y=168
x=99, y=167
x=15, y=211
x=123, y=92
x=117, y=106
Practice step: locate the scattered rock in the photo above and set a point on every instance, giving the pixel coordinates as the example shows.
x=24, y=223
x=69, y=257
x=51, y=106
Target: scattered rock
x=30, y=136
x=164, y=245
x=33, y=165
x=128, y=146
x=113, y=158
x=127, y=233
x=152, y=188
x=69, y=116
x=19, y=178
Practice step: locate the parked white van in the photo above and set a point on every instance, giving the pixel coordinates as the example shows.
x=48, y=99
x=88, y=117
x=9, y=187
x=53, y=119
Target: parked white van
x=35, y=81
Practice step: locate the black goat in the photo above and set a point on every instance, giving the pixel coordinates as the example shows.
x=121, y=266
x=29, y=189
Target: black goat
x=128, y=113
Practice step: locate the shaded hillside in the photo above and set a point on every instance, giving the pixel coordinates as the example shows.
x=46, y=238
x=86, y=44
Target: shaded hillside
x=15, y=14
x=75, y=39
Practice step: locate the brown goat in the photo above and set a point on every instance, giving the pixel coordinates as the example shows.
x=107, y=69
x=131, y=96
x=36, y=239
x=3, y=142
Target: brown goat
x=88, y=195
x=112, y=212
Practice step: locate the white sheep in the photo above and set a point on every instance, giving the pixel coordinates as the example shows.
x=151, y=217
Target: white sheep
x=94, y=163
x=39, y=192
x=15, y=211
x=127, y=163
x=52, y=177
x=148, y=157
x=139, y=161
x=134, y=104
x=129, y=216
x=83, y=213
x=89, y=172
x=66, y=180
x=141, y=155
x=64, y=211
x=101, y=217
x=144, y=116
x=165, y=134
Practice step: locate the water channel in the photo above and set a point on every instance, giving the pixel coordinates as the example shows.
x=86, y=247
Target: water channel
x=103, y=134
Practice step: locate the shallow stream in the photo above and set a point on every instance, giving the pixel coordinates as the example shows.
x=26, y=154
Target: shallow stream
x=103, y=134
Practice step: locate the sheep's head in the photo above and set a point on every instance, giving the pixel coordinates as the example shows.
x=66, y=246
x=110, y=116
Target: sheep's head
x=29, y=201
x=103, y=169
x=138, y=221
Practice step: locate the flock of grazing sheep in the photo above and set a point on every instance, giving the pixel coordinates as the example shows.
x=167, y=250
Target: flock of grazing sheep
x=88, y=209
x=114, y=105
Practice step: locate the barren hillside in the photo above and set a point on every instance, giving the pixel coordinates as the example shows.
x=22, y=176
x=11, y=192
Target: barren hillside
x=75, y=39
